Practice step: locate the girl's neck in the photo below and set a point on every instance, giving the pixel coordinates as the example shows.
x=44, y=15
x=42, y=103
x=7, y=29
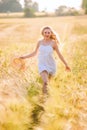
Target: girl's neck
x=46, y=40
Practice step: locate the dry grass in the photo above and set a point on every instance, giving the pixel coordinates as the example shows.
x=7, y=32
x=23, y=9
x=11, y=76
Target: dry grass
x=11, y=15
x=20, y=91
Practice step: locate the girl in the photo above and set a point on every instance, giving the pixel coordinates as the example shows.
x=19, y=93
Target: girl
x=46, y=62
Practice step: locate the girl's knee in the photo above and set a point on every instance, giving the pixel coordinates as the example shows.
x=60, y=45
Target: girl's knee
x=45, y=83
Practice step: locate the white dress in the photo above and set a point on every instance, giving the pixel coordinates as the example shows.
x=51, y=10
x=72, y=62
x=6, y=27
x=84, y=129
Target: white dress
x=46, y=60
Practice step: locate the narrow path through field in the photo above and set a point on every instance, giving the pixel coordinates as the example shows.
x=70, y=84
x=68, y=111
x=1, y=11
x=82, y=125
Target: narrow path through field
x=8, y=31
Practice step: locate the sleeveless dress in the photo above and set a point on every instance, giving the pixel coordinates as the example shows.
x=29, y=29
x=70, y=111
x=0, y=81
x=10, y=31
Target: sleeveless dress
x=45, y=59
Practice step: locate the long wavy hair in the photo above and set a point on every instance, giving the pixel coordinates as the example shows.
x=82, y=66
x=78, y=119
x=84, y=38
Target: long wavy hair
x=53, y=36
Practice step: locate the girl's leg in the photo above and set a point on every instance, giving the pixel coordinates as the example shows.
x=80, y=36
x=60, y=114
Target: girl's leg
x=50, y=77
x=44, y=76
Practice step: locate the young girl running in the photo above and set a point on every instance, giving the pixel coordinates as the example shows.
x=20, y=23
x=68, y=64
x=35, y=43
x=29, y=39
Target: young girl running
x=46, y=62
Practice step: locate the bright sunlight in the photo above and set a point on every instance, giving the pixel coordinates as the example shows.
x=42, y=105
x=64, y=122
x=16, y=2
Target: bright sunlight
x=51, y=5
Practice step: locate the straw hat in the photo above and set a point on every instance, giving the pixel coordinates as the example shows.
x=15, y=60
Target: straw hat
x=18, y=63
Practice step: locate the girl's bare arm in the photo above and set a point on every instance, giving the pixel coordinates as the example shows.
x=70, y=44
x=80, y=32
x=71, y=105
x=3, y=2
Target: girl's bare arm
x=31, y=54
x=60, y=56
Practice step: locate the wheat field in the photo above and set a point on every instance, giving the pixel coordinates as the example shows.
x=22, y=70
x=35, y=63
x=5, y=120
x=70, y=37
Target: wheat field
x=20, y=90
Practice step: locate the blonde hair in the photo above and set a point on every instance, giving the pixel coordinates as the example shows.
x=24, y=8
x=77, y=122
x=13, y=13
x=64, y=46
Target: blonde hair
x=53, y=34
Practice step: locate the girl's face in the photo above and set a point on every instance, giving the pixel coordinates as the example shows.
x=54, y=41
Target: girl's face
x=47, y=33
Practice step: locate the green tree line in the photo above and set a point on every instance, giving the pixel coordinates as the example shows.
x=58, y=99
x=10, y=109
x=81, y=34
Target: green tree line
x=84, y=5
x=31, y=7
x=10, y=6
x=15, y=6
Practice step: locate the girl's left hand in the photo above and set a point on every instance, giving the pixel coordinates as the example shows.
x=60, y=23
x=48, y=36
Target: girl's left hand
x=68, y=68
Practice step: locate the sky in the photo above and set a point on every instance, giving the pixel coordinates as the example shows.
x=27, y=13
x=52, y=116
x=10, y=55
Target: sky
x=51, y=5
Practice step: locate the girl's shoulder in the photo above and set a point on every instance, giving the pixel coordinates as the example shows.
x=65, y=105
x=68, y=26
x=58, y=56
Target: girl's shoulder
x=53, y=42
x=40, y=41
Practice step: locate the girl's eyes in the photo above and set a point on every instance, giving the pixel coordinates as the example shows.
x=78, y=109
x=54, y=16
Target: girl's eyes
x=47, y=32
